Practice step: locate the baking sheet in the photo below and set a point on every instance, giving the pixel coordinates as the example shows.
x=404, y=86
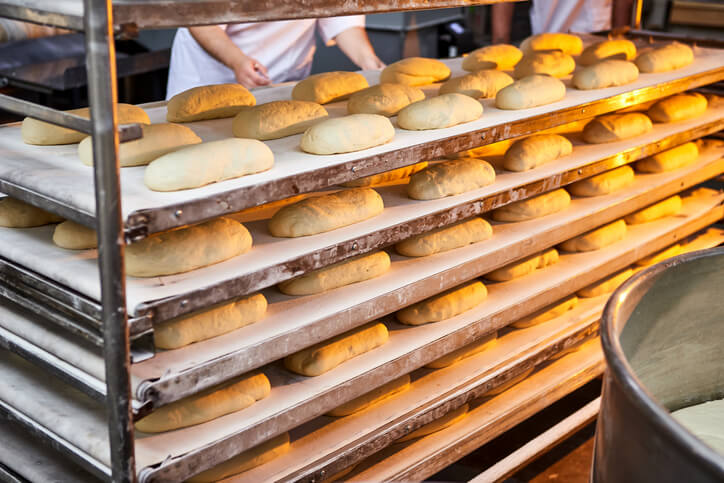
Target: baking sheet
x=56, y=172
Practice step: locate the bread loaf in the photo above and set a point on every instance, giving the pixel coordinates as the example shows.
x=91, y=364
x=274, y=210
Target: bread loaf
x=444, y=305
x=536, y=150
x=554, y=63
x=276, y=119
x=346, y=134
x=596, y=239
x=616, y=127
x=619, y=49
x=524, y=266
x=464, y=352
x=449, y=178
x=531, y=91
x=498, y=56
x=17, y=214
x=604, y=183
x=606, y=285
x=547, y=313
x=607, y=73
x=72, y=236
x=439, y=112
x=670, y=57
x=371, y=398
x=659, y=256
x=446, y=238
x=678, y=107
x=329, y=87
x=668, y=207
x=535, y=207
x=415, y=71
x=384, y=99
x=387, y=176
x=566, y=43
x=670, y=159
x=482, y=83
x=208, y=102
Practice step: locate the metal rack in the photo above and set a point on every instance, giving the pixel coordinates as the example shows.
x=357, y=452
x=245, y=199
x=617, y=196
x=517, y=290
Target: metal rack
x=103, y=319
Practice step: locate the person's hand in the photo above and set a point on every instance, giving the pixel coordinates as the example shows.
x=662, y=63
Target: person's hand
x=371, y=62
x=249, y=72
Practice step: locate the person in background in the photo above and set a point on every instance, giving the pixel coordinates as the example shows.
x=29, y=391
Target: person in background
x=257, y=54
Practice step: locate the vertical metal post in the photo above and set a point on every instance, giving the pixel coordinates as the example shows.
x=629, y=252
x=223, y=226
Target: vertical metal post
x=102, y=94
x=636, y=10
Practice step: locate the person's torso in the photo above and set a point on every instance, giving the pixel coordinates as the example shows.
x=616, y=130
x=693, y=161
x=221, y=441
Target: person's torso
x=570, y=15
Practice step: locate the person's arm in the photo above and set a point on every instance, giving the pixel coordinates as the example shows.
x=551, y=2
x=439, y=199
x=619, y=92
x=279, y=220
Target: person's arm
x=356, y=45
x=502, y=21
x=248, y=71
x=621, y=13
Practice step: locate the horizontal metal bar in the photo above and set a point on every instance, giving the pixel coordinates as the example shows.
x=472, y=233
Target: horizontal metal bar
x=65, y=14
x=47, y=203
x=657, y=35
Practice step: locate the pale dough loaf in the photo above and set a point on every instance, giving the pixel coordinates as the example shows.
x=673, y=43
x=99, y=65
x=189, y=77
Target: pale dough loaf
x=384, y=99
x=206, y=163
x=386, y=177
x=498, y=56
x=678, y=107
x=457, y=235
x=532, y=91
x=347, y=272
x=444, y=305
x=512, y=382
x=553, y=63
x=366, y=400
x=157, y=140
x=619, y=49
x=604, y=183
x=73, y=236
x=524, y=266
x=668, y=207
x=536, y=150
x=439, y=424
x=186, y=249
x=209, y=323
x=668, y=160
x=547, y=313
x=607, y=73
x=276, y=119
x=43, y=133
x=615, y=127
x=211, y=403
x=535, y=207
x=450, y=178
x=464, y=352
x=415, y=71
x=17, y=214
x=251, y=458
x=567, y=43
x=670, y=57
x=208, y=102
x=329, y=87
x=596, y=239
x=659, y=256
x=327, y=355
x=347, y=134
x=327, y=212
x=439, y=112
x=606, y=285
x=482, y=83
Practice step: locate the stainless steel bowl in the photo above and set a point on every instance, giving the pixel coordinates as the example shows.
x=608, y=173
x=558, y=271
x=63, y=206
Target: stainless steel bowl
x=662, y=335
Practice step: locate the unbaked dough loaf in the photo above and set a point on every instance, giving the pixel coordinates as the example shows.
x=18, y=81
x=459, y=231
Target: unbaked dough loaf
x=606, y=285
x=256, y=456
x=439, y=424
x=536, y=150
x=464, y=352
x=346, y=134
x=438, y=112
x=615, y=127
x=604, y=183
x=212, y=403
x=659, y=256
x=512, y=382
x=535, y=207
x=607, y=73
x=670, y=57
x=43, y=133
x=444, y=305
x=213, y=322
x=567, y=43
x=347, y=272
x=17, y=214
x=415, y=71
x=208, y=102
x=678, y=107
x=327, y=212
x=329, y=87
x=186, y=249
x=531, y=91
x=596, y=239
x=73, y=236
x=327, y=355
x=524, y=266
x=482, y=83
x=157, y=140
x=498, y=56
x=668, y=207
x=202, y=164
x=386, y=177
x=668, y=160
x=450, y=178
x=457, y=235
x=384, y=99
x=547, y=313
x=276, y=119
x=619, y=49
x=554, y=63
x=366, y=400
